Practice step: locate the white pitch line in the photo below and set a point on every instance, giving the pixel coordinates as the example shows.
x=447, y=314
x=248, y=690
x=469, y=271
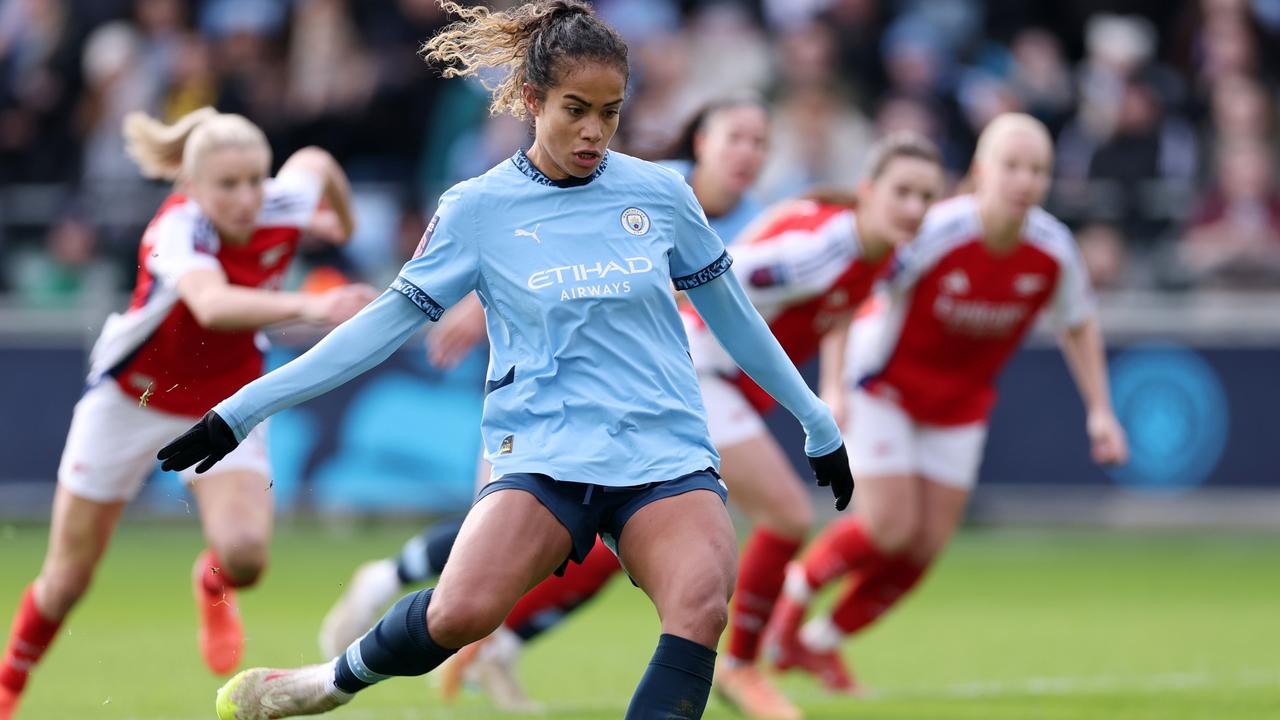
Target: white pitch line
x=1084, y=685
x=1035, y=686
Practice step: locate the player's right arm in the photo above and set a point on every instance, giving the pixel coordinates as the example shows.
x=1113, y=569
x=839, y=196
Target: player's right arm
x=798, y=264
x=218, y=305
x=831, y=361
x=335, y=188
x=444, y=269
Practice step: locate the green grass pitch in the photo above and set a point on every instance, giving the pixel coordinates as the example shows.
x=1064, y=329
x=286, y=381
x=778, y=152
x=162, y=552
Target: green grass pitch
x=1011, y=626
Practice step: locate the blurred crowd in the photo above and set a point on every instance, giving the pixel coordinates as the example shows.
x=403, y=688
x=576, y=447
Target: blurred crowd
x=1164, y=113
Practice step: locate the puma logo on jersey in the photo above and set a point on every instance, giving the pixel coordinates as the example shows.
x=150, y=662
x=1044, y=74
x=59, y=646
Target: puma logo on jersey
x=1029, y=284
x=521, y=232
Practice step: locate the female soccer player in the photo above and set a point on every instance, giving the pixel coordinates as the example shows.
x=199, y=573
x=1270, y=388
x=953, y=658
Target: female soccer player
x=593, y=422
x=720, y=153
x=961, y=298
x=209, y=267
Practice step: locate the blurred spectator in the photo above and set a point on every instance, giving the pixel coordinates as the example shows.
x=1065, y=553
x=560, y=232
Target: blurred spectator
x=662, y=98
x=1042, y=78
x=1240, y=107
x=329, y=74
x=117, y=82
x=1102, y=248
x=1233, y=239
x=65, y=272
x=819, y=138
x=1139, y=174
x=39, y=81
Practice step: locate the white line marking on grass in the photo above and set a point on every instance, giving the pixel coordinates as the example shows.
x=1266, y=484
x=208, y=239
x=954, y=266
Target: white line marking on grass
x=1085, y=685
x=814, y=699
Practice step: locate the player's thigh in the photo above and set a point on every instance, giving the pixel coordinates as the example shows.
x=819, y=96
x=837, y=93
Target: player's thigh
x=508, y=543
x=764, y=485
x=883, y=456
x=79, y=534
x=235, y=497
x=682, y=551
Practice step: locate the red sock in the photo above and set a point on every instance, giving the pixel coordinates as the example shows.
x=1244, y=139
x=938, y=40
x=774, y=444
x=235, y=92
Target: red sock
x=761, y=571
x=557, y=595
x=844, y=546
x=873, y=594
x=30, y=637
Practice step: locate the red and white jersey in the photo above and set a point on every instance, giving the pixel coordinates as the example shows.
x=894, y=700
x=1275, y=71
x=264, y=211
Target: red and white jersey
x=156, y=347
x=956, y=311
x=802, y=269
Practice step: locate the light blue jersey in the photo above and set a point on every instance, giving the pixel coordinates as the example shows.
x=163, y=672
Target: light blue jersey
x=731, y=224
x=589, y=376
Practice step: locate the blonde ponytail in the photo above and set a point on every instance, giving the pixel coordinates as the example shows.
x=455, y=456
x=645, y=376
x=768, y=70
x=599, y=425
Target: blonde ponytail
x=169, y=151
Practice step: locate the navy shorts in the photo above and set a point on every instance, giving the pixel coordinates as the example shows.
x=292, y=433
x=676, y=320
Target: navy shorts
x=588, y=510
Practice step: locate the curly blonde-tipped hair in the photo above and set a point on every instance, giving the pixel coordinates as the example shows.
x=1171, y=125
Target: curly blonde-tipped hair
x=528, y=42
x=171, y=151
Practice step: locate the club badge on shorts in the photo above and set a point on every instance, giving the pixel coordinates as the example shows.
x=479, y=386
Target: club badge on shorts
x=635, y=221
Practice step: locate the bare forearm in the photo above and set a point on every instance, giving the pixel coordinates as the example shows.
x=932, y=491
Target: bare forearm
x=831, y=357
x=1082, y=347
x=337, y=193
x=230, y=307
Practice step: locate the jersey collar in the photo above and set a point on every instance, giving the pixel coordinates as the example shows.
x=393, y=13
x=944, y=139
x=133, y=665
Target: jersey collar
x=525, y=165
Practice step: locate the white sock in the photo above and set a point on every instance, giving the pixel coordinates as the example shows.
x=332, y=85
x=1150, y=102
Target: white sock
x=331, y=688
x=820, y=634
x=796, y=585
x=504, y=646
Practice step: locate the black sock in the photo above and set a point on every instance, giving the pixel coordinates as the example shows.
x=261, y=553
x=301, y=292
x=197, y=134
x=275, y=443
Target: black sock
x=550, y=618
x=424, y=556
x=398, y=645
x=676, y=685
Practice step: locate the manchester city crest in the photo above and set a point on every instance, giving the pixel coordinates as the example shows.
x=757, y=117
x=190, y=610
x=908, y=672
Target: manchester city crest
x=635, y=221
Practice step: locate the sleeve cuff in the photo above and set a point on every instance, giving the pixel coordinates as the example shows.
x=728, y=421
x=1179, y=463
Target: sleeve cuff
x=717, y=268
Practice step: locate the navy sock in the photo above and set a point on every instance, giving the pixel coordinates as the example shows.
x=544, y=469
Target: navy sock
x=424, y=556
x=398, y=645
x=676, y=685
x=549, y=618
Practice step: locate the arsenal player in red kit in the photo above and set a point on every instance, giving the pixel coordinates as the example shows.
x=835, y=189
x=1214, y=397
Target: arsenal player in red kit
x=209, y=271
x=958, y=301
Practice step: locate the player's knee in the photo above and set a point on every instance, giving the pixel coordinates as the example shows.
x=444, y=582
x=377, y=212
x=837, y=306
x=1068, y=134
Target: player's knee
x=791, y=520
x=894, y=531
x=928, y=544
x=700, y=618
x=454, y=624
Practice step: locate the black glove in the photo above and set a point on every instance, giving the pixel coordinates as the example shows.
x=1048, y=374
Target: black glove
x=833, y=469
x=209, y=440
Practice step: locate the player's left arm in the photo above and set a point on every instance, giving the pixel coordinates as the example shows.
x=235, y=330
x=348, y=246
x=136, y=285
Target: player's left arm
x=832, y=352
x=1082, y=346
x=335, y=189
x=729, y=314
x=700, y=265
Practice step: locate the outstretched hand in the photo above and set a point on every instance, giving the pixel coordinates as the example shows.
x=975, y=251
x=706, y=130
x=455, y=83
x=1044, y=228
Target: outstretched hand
x=207, y=442
x=832, y=470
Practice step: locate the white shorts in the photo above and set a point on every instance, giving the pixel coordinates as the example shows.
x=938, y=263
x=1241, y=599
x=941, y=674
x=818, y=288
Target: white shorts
x=730, y=418
x=112, y=444
x=883, y=440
